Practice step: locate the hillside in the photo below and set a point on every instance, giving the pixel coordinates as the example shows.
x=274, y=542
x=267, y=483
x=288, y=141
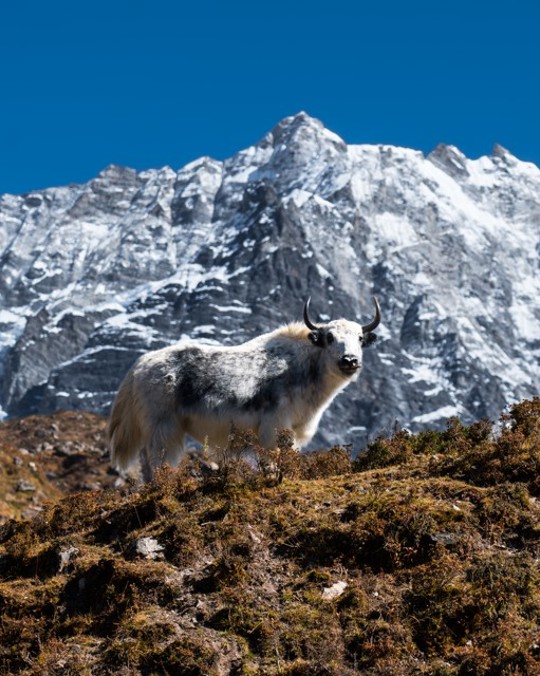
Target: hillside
x=43, y=458
x=93, y=275
x=419, y=557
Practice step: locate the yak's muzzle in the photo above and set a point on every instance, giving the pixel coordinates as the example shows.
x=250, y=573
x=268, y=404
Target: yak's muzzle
x=349, y=364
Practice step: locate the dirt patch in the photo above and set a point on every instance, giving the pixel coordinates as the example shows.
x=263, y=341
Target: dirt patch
x=45, y=457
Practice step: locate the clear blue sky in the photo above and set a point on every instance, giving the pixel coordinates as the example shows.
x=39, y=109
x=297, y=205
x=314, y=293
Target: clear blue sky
x=146, y=83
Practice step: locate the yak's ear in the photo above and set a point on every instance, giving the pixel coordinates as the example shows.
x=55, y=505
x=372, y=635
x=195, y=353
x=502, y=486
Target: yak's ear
x=316, y=338
x=369, y=339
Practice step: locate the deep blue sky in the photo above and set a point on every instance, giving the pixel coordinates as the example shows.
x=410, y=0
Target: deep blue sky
x=146, y=83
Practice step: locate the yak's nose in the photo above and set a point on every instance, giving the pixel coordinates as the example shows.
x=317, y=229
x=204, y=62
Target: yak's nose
x=349, y=363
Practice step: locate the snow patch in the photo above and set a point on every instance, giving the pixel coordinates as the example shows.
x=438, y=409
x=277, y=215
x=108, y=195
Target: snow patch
x=299, y=197
x=395, y=231
x=439, y=414
x=233, y=308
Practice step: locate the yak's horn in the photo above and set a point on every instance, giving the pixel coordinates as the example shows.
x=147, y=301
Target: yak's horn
x=376, y=321
x=307, y=320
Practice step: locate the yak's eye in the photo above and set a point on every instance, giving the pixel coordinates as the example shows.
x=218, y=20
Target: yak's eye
x=368, y=339
x=329, y=338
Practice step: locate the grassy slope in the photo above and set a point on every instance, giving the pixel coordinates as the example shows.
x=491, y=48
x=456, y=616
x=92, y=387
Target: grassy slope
x=437, y=537
x=43, y=457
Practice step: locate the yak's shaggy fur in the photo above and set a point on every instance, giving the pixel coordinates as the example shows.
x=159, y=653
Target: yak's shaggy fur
x=280, y=380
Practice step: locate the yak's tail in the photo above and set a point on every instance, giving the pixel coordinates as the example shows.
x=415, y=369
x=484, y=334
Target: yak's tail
x=124, y=431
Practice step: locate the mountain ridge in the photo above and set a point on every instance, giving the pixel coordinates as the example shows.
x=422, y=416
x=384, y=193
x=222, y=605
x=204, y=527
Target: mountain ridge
x=93, y=275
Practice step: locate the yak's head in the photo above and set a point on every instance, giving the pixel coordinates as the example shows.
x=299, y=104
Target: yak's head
x=343, y=340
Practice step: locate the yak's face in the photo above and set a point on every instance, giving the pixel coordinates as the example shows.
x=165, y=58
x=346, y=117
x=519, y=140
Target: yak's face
x=342, y=342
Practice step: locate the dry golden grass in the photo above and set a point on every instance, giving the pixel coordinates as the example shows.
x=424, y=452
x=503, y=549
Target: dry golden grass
x=435, y=536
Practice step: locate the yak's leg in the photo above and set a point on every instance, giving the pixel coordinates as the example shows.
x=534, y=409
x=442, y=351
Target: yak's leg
x=303, y=435
x=270, y=428
x=152, y=457
x=147, y=467
x=267, y=435
x=306, y=430
x=175, y=452
x=166, y=445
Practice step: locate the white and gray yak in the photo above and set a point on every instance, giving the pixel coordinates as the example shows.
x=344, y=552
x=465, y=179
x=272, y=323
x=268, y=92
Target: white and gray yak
x=280, y=380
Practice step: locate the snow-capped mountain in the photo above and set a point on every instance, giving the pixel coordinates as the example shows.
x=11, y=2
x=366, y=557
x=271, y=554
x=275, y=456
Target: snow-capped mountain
x=93, y=275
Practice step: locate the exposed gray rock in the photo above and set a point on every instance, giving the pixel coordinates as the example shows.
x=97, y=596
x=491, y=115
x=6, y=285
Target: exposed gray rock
x=24, y=486
x=148, y=548
x=93, y=275
x=66, y=557
x=334, y=591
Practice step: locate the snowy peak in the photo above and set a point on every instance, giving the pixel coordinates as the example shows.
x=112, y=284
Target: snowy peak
x=303, y=131
x=503, y=154
x=298, y=148
x=449, y=159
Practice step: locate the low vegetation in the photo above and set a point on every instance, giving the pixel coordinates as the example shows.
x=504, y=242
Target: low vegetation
x=419, y=557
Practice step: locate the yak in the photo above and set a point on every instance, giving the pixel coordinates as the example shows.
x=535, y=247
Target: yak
x=280, y=380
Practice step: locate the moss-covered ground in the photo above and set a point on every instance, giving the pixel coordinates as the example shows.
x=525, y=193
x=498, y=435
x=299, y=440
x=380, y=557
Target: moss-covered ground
x=420, y=557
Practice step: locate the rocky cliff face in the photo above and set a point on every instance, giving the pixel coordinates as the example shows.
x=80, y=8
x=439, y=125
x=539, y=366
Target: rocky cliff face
x=93, y=275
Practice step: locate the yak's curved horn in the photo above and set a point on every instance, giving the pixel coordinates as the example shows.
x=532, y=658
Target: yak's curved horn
x=376, y=321
x=307, y=320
